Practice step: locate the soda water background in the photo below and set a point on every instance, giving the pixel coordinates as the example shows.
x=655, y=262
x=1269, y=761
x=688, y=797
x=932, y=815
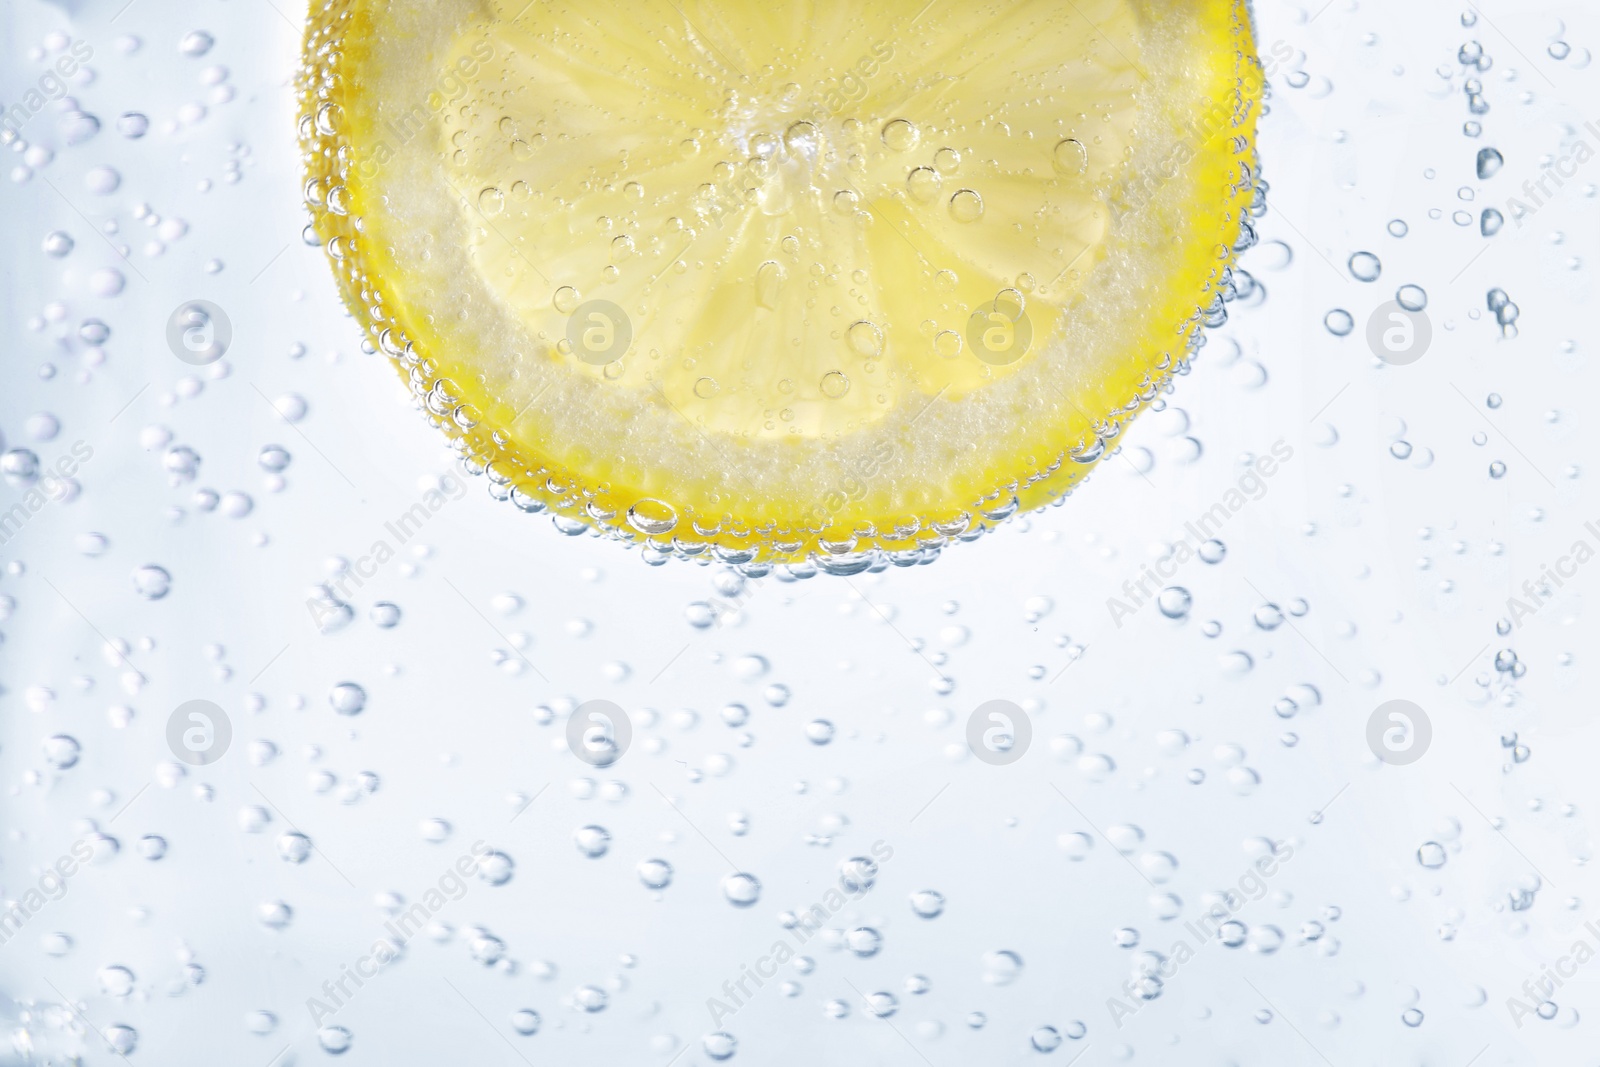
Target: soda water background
x=1295, y=764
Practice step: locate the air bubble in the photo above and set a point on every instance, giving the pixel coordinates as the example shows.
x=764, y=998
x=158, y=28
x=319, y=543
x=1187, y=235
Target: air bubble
x=133, y=125
x=654, y=873
x=1071, y=157
x=927, y=903
x=653, y=518
x=1174, y=602
x=923, y=184
x=901, y=135
x=865, y=339
x=197, y=43
x=152, y=582
x=1365, y=267
x=966, y=206
x=1411, y=297
x=741, y=890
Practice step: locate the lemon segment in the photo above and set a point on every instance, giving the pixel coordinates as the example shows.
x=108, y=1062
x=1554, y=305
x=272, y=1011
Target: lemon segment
x=790, y=280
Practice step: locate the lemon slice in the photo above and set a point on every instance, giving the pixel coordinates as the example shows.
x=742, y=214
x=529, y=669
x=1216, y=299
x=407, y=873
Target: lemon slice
x=788, y=281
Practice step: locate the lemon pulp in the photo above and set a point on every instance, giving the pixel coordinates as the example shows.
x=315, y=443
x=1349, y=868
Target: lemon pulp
x=789, y=280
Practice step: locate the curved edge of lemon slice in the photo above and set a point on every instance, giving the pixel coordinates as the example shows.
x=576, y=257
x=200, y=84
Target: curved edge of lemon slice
x=1186, y=195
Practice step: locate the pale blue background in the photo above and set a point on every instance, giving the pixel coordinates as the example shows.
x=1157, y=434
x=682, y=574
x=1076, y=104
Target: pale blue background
x=1405, y=571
